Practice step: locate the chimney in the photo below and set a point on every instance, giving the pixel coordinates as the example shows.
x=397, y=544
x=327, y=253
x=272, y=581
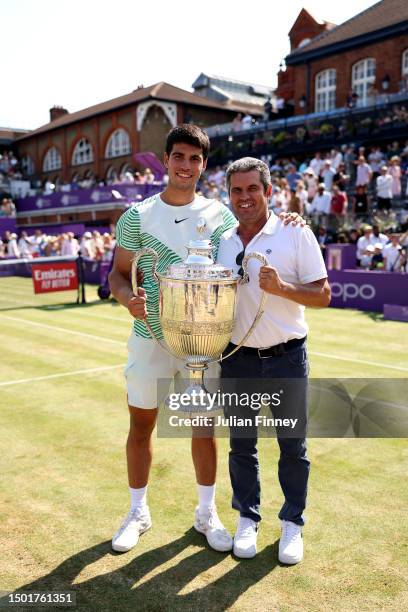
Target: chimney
x=56, y=112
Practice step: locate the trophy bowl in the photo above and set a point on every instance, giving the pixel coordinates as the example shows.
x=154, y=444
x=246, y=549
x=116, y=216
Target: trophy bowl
x=197, y=312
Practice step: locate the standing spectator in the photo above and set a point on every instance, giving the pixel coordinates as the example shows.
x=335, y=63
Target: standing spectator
x=341, y=178
x=377, y=260
x=321, y=203
x=69, y=244
x=338, y=201
x=375, y=160
x=293, y=177
x=12, y=248
x=311, y=183
x=24, y=245
x=349, y=161
x=86, y=247
x=336, y=158
x=302, y=194
x=364, y=173
x=149, y=176
x=360, y=201
x=395, y=171
x=247, y=121
x=327, y=174
x=237, y=123
x=384, y=184
x=323, y=238
x=317, y=163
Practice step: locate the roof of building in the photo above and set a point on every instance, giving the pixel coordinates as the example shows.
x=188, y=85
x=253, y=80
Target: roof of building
x=7, y=133
x=377, y=17
x=159, y=91
x=237, y=92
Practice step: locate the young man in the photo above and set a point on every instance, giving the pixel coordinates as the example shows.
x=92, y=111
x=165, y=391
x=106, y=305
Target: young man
x=165, y=222
x=295, y=277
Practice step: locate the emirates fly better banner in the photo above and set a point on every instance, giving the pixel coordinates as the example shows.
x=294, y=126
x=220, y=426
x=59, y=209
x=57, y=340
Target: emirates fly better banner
x=60, y=276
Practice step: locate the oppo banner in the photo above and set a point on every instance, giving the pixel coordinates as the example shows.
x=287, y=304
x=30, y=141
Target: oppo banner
x=60, y=276
x=367, y=290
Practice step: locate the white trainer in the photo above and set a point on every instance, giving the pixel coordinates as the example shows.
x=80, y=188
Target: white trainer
x=137, y=522
x=290, y=543
x=210, y=525
x=245, y=538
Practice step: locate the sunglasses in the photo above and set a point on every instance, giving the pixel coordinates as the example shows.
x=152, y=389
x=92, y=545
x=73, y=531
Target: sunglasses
x=239, y=259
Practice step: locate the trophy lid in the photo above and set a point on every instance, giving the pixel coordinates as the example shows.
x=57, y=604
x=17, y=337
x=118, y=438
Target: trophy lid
x=199, y=263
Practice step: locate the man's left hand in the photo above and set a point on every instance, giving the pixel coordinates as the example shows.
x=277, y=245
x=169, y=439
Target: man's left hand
x=292, y=217
x=270, y=281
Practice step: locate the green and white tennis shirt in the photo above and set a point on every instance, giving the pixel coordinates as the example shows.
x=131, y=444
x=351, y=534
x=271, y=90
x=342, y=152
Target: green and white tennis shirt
x=168, y=230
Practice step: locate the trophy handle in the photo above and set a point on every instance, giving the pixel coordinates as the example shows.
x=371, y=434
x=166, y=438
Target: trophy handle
x=243, y=281
x=135, y=260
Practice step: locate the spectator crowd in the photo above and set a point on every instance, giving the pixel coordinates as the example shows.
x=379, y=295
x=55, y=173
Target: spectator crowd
x=91, y=245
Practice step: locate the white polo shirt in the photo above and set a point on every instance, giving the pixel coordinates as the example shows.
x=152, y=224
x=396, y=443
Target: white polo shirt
x=296, y=255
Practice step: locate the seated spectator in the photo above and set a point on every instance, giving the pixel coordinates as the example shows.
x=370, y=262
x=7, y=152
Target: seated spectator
x=278, y=201
x=378, y=236
x=317, y=164
x=321, y=203
x=377, y=260
x=12, y=248
x=247, y=122
x=86, y=246
x=366, y=240
x=302, y=195
x=338, y=201
x=392, y=254
x=384, y=185
x=323, y=238
x=366, y=257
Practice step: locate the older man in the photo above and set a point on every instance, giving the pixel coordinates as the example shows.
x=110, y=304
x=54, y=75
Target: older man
x=295, y=277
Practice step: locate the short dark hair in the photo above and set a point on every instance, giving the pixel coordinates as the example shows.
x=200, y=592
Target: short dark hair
x=188, y=134
x=246, y=164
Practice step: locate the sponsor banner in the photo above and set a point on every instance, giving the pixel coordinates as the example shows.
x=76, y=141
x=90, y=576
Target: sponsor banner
x=87, y=197
x=61, y=276
x=367, y=290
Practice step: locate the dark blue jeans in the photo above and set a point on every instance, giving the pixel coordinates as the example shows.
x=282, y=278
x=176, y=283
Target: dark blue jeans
x=294, y=465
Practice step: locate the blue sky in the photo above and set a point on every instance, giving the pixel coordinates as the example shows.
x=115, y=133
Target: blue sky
x=76, y=53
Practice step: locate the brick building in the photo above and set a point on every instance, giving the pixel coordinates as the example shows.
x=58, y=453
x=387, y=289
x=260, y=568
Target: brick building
x=102, y=140
x=366, y=55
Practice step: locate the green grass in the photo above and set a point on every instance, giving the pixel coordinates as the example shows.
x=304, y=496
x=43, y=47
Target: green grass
x=63, y=488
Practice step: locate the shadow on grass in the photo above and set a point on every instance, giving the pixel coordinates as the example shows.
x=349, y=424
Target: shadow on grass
x=119, y=590
x=377, y=317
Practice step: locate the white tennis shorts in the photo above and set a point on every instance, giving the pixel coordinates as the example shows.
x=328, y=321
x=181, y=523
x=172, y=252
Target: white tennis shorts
x=149, y=367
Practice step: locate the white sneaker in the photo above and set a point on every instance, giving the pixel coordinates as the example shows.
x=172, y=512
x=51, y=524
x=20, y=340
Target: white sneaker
x=210, y=525
x=245, y=538
x=137, y=522
x=290, y=543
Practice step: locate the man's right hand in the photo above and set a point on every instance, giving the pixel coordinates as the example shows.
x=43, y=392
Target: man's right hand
x=137, y=304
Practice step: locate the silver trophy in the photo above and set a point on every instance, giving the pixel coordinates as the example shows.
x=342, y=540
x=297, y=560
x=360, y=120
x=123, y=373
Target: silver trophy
x=197, y=311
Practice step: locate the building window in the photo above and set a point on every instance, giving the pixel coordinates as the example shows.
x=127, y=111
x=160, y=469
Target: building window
x=83, y=153
x=111, y=175
x=27, y=165
x=404, y=69
x=52, y=160
x=118, y=144
x=325, y=84
x=363, y=76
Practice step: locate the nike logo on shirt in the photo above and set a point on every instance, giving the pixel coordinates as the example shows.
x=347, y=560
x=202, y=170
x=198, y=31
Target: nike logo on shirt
x=180, y=220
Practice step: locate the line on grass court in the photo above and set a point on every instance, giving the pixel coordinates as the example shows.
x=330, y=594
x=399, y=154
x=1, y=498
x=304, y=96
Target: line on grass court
x=122, y=343
x=362, y=361
x=64, y=330
x=49, y=376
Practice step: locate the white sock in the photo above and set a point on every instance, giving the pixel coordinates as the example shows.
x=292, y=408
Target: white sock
x=138, y=497
x=206, y=498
